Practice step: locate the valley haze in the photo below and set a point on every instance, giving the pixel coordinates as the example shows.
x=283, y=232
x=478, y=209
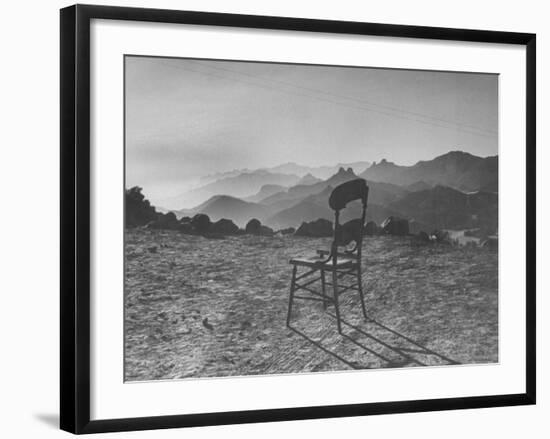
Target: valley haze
x=189, y=121
x=456, y=190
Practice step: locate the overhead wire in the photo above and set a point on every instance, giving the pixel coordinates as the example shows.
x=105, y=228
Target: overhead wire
x=441, y=123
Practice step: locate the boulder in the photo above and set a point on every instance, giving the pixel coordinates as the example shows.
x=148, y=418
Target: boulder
x=395, y=226
x=225, y=227
x=166, y=221
x=372, y=229
x=319, y=228
x=287, y=231
x=423, y=237
x=201, y=223
x=440, y=236
x=265, y=231
x=186, y=228
x=253, y=226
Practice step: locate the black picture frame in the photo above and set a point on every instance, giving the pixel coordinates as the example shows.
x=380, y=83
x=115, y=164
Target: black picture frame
x=75, y=217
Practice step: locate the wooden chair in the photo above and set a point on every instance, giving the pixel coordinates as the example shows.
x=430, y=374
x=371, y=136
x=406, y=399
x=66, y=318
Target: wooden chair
x=340, y=263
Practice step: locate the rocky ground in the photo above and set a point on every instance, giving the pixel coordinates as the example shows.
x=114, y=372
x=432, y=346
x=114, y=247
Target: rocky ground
x=200, y=307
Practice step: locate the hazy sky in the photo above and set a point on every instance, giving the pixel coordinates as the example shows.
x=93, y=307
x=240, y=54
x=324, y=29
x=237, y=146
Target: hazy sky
x=187, y=118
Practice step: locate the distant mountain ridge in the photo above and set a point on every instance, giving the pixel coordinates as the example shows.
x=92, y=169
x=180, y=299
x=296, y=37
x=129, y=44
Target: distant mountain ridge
x=299, y=191
x=309, y=179
x=225, y=206
x=454, y=190
x=456, y=169
x=240, y=186
x=319, y=172
x=265, y=191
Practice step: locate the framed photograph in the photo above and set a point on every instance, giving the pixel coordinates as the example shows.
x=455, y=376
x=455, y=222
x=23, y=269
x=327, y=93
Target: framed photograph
x=268, y=218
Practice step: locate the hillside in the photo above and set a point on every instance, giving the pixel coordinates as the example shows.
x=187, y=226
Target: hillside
x=309, y=179
x=293, y=210
x=224, y=206
x=301, y=191
x=456, y=190
x=446, y=208
x=242, y=185
x=316, y=206
x=319, y=172
x=455, y=169
x=265, y=191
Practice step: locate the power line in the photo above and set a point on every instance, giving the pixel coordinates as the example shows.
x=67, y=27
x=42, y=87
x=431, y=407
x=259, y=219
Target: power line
x=475, y=131
x=314, y=90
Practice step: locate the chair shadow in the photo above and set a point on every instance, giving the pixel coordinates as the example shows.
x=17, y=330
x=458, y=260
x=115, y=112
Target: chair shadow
x=380, y=341
x=49, y=419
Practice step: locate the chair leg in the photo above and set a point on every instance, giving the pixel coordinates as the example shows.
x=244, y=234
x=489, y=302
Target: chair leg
x=291, y=296
x=323, y=285
x=360, y=287
x=336, y=307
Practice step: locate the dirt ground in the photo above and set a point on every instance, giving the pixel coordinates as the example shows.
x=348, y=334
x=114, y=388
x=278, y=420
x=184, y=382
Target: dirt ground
x=200, y=307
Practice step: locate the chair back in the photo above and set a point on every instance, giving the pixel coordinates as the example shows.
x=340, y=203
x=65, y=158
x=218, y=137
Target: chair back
x=353, y=230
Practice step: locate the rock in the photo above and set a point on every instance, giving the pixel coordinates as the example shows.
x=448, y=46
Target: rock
x=186, y=228
x=225, y=227
x=372, y=229
x=265, y=231
x=439, y=236
x=395, y=226
x=201, y=222
x=319, y=228
x=185, y=219
x=167, y=221
x=253, y=226
x=206, y=324
x=287, y=231
x=152, y=249
x=184, y=330
x=423, y=237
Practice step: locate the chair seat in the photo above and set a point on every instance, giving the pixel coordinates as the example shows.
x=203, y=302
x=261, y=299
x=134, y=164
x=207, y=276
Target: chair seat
x=319, y=262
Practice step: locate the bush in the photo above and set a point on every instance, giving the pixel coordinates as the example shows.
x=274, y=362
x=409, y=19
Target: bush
x=201, y=222
x=317, y=229
x=253, y=226
x=225, y=227
x=138, y=209
x=372, y=229
x=395, y=226
x=167, y=221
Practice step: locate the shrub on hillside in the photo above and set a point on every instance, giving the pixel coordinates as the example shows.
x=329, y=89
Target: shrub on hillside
x=138, y=209
x=395, y=226
x=166, y=221
x=201, y=222
x=372, y=229
x=253, y=226
x=317, y=229
x=225, y=227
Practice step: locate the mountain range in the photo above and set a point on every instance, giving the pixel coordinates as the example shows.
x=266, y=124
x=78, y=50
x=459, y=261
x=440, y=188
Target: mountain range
x=456, y=191
x=241, y=185
x=247, y=183
x=463, y=171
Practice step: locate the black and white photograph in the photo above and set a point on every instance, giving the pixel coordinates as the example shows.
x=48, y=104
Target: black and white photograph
x=293, y=218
